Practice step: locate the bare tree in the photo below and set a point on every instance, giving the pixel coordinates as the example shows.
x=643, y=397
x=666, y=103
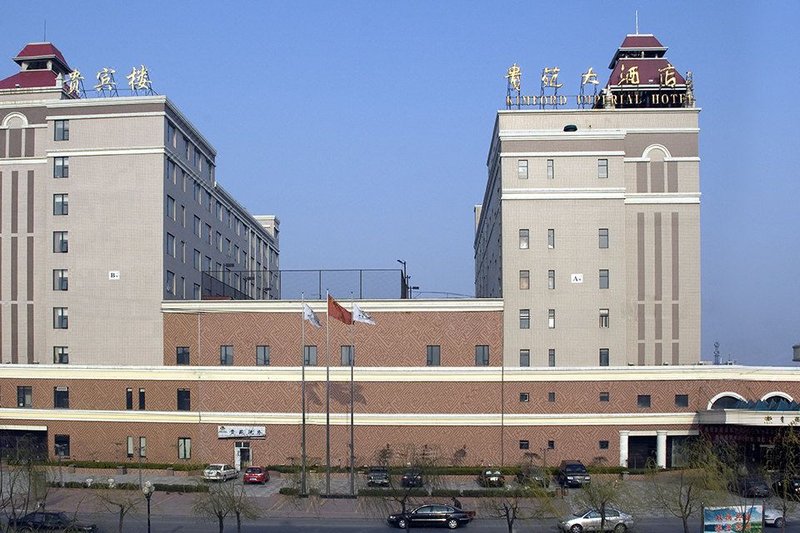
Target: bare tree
x=241, y=505
x=784, y=460
x=537, y=502
x=214, y=505
x=23, y=484
x=601, y=494
x=119, y=502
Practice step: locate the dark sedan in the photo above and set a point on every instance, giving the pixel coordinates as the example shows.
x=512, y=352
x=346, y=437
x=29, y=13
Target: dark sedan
x=750, y=487
x=412, y=478
x=47, y=521
x=432, y=515
x=787, y=487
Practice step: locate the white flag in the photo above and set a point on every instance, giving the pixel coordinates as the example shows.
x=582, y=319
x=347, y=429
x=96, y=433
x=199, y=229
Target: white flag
x=308, y=314
x=361, y=316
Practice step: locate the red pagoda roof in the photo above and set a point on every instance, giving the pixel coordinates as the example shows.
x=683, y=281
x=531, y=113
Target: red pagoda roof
x=40, y=51
x=641, y=41
x=29, y=79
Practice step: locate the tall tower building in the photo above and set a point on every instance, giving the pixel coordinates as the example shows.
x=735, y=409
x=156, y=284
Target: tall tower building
x=590, y=225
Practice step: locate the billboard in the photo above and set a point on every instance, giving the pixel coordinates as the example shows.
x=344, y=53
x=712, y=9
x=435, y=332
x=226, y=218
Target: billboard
x=749, y=518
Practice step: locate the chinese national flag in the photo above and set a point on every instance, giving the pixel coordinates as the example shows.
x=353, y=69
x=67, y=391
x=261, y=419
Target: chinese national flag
x=338, y=312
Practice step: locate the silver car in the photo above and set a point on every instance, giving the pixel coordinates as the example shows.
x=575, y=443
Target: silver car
x=589, y=520
x=773, y=517
x=219, y=472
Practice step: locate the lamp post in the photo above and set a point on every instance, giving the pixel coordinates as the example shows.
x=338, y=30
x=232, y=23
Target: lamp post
x=60, y=448
x=405, y=279
x=148, y=489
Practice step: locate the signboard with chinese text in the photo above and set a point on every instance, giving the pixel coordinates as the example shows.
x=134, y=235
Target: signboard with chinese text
x=241, y=432
x=734, y=518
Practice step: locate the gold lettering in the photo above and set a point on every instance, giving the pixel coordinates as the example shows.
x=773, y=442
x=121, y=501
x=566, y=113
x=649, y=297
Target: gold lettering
x=562, y=100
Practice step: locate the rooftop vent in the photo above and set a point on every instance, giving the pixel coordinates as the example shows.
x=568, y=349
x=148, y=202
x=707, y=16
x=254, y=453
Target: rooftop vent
x=570, y=127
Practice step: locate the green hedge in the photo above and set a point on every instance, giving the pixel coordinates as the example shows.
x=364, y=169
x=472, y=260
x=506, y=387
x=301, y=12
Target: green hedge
x=181, y=467
x=160, y=487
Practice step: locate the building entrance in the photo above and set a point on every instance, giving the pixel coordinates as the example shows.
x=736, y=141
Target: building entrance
x=242, y=455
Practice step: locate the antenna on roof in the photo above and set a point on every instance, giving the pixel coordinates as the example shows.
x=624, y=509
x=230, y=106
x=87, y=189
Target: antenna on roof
x=45, y=31
x=637, y=22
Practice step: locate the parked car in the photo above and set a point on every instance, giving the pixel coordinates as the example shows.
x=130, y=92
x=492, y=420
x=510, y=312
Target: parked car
x=791, y=489
x=573, y=474
x=412, y=478
x=432, y=515
x=491, y=478
x=48, y=521
x=773, y=517
x=255, y=474
x=750, y=487
x=378, y=476
x=219, y=472
x=533, y=476
x=589, y=520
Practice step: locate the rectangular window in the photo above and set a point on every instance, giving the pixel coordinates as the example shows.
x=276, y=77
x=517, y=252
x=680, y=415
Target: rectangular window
x=643, y=400
x=129, y=446
x=226, y=355
x=482, y=355
x=198, y=229
x=603, y=444
x=171, y=207
x=219, y=241
x=61, y=355
x=197, y=193
x=681, y=400
x=522, y=169
x=182, y=355
x=60, y=318
x=196, y=294
x=196, y=260
x=551, y=279
x=187, y=147
x=604, y=396
x=524, y=239
x=524, y=397
x=209, y=235
x=524, y=319
x=25, y=396
x=169, y=282
x=60, y=204
x=551, y=357
x=602, y=168
x=603, y=356
x=434, y=355
x=551, y=397
x=551, y=238
x=61, y=130
x=60, y=279
x=61, y=445
x=184, y=400
x=551, y=319
x=128, y=399
x=206, y=264
x=524, y=358
x=551, y=445
x=602, y=237
x=209, y=206
x=184, y=448
x=169, y=245
x=524, y=445
x=172, y=135
x=262, y=355
x=551, y=172
x=310, y=355
x=603, y=279
x=142, y=403
x=60, y=242
x=346, y=355
x=61, y=167
x=604, y=318
x=524, y=280
x=61, y=397
x=142, y=446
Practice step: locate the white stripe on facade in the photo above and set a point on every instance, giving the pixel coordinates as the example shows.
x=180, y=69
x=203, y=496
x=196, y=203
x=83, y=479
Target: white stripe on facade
x=663, y=198
x=108, y=115
x=144, y=150
x=593, y=153
x=614, y=193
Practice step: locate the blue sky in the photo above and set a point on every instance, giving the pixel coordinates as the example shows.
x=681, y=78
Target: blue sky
x=364, y=126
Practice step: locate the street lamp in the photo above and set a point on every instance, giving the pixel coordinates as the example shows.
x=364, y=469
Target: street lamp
x=405, y=279
x=148, y=489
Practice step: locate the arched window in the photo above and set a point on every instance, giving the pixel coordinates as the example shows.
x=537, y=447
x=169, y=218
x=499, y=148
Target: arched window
x=725, y=400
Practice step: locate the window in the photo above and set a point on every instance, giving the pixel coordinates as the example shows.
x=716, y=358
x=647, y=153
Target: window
x=61, y=204
x=524, y=319
x=61, y=167
x=142, y=403
x=129, y=446
x=61, y=397
x=197, y=193
x=643, y=400
x=209, y=235
x=196, y=259
x=24, y=396
x=524, y=280
x=169, y=282
x=524, y=397
x=524, y=239
x=169, y=245
x=209, y=206
x=434, y=355
x=184, y=448
x=551, y=173
x=551, y=397
x=310, y=355
x=602, y=168
x=603, y=356
x=551, y=238
x=681, y=400
x=171, y=207
x=196, y=294
x=602, y=237
x=522, y=169
x=219, y=241
x=60, y=279
x=551, y=357
x=182, y=355
x=346, y=355
x=524, y=445
x=61, y=355
x=61, y=130
x=603, y=279
x=551, y=319
x=142, y=446
x=524, y=358
x=551, y=445
x=226, y=355
x=198, y=230
x=128, y=399
x=172, y=135
x=604, y=318
x=482, y=355
x=262, y=355
x=551, y=279
x=60, y=318
x=60, y=242
x=604, y=396
x=206, y=264
x=184, y=400
x=61, y=445
x=188, y=147
x=603, y=444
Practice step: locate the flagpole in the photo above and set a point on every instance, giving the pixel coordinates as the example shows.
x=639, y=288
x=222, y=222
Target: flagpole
x=352, y=396
x=303, y=401
x=327, y=399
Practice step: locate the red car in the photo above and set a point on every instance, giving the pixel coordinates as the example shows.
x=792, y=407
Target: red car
x=256, y=474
